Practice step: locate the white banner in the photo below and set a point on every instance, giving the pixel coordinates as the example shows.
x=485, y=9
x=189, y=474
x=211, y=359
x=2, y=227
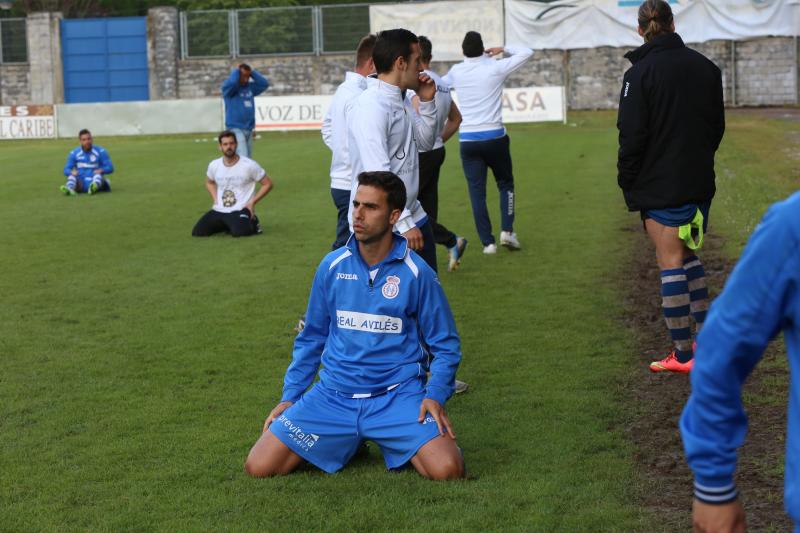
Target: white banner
x=534, y=104
x=291, y=112
x=444, y=23
x=570, y=24
x=27, y=122
x=531, y=104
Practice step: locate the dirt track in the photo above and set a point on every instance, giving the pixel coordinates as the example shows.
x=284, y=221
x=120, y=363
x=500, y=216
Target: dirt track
x=657, y=399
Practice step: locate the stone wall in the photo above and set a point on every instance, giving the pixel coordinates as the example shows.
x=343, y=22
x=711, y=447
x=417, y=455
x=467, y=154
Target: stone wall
x=15, y=87
x=754, y=72
x=307, y=74
x=766, y=71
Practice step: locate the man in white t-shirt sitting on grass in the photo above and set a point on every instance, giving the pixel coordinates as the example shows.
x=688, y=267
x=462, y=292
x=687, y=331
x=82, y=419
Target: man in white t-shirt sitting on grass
x=231, y=181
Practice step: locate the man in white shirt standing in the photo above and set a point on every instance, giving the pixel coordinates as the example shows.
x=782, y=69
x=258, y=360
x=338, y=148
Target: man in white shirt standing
x=385, y=133
x=334, y=134
x=231, y=182
x=478, y=82
x=430, y=161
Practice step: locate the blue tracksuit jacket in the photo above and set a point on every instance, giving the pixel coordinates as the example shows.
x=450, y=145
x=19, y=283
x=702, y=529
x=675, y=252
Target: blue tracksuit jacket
x=761, y=298
x=367, y=334
x=86, y=162
x=240, y=107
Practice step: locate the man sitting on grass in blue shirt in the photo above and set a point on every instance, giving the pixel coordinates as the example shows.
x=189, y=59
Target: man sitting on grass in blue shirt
x=86, y=167
x=372, y=305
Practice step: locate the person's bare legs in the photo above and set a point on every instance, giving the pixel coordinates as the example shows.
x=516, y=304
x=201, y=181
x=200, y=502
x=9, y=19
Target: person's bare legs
x=670, y=249
x=439, y=459
x=270, y=457
x=675, y=297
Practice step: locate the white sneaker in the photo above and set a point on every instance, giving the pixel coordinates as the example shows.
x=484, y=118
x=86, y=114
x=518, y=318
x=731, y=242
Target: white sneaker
x=461, y=387
x=509, y=240
x=490, y=249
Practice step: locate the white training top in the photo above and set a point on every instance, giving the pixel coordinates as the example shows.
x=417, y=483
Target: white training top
x=385, y=133
x=478, y=82
x=236, y=185
x=334, y=129
x=443, y=102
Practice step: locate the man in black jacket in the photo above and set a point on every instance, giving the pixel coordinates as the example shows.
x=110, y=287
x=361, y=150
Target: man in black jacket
x=671, y=121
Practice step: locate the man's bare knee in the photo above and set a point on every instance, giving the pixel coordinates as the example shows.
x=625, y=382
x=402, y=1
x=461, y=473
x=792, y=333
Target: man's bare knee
x=440, y=459
x=270, y=457
x=447, y=467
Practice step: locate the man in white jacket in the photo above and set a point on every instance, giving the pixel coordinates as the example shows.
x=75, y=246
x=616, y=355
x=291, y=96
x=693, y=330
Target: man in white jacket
x=478, y=82
x=334, y=135
x=385, y=133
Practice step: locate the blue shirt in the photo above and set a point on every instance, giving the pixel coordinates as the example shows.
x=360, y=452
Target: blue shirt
x=761, y=298
x=240, y=107
x=86, y=162
x=367, y=333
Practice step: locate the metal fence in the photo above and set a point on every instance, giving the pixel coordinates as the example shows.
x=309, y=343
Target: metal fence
x=273, y=30
x=13, y=41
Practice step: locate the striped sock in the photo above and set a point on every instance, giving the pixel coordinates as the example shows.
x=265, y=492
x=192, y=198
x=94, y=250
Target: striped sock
x=698, y=292
x=675, y=304
x=72, y=182
x=97, y=179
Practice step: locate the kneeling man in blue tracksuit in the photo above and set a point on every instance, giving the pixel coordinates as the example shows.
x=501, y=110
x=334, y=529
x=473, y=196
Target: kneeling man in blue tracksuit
x=87, y=167
x=372, y=303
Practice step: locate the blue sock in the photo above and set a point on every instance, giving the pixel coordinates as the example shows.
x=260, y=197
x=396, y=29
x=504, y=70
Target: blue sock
x=698, y=292
x=72, y=182
x=676, y=306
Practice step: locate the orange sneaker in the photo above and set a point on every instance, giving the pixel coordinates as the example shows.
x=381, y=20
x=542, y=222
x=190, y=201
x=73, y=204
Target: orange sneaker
x=671, y=364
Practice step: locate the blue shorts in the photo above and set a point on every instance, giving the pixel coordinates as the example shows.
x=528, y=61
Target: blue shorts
x=325, y=427
x=678, y=216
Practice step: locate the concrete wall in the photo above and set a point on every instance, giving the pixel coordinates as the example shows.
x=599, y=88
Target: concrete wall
x=44, y=58
x=163, y=47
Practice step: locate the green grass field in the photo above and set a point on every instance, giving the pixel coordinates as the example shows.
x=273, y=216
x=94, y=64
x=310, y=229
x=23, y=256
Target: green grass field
x=138, y=363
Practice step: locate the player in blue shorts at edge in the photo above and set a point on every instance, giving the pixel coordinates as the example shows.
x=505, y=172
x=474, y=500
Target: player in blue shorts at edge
x=671, y=121
x=371, y=304
x=86, y=167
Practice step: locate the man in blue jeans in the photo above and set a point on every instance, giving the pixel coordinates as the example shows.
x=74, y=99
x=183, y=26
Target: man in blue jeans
x=239, y=91
x=478, y=82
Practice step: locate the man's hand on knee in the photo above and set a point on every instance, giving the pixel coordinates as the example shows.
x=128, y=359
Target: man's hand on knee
x=275, y=413
x=439, y=415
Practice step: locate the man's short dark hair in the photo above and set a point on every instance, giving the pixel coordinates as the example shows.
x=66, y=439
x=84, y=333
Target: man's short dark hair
x=390, y=45
x=83, y=132
x=425, y=49
x=388, y=182
x=364, y=50
x=472, y=45
x=245, y=66
x=227, y=133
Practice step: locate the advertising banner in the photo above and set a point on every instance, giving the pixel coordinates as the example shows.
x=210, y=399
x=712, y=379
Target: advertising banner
x=562, y=25
x=534, y=104
x=27, y=122
x=530, y=104
x=444, y=23
x=291, y=112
